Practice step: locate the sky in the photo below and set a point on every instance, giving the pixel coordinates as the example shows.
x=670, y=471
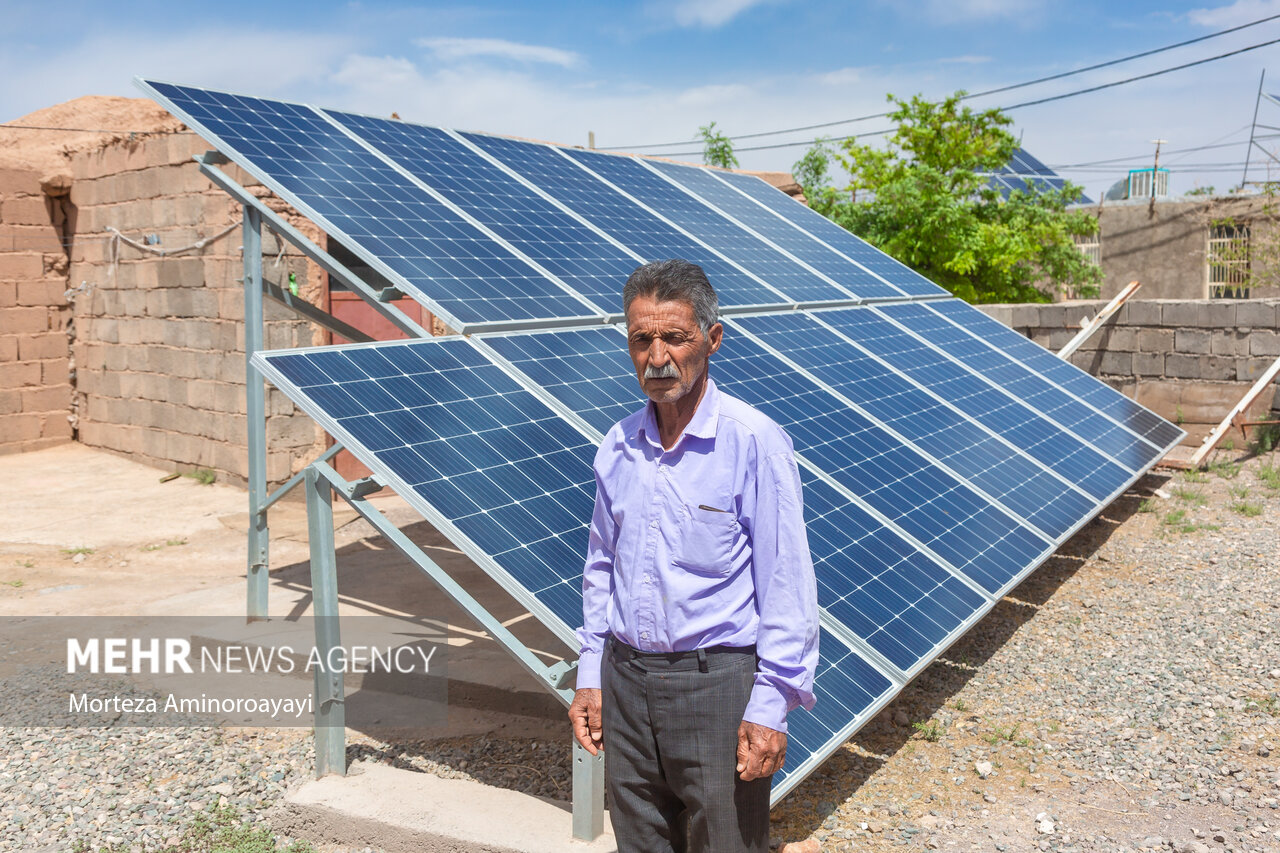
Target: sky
x=653, y=71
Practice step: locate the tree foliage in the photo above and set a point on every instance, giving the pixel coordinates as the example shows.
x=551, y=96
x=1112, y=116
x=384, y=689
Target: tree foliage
x=923, y=198
x=717, y=149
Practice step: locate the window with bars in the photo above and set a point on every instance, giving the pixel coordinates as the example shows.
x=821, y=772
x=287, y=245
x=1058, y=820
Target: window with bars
x=1227, y=257
x=1090, y=246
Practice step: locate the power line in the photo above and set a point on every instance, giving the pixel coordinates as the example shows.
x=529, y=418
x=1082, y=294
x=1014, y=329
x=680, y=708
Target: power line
x=88, y=129
x=997, y=90
x=1060, y=97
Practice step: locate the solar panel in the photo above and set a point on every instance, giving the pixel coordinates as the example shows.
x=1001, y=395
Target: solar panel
x=624, y=219
x=1023, y=171
x=798, y=283
x=417, y=241
x=943, y=456
x=540, y=230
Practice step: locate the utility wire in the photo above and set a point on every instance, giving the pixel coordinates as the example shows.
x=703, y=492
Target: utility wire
x=997, y=90
x=88, y=129
x=1060, y=97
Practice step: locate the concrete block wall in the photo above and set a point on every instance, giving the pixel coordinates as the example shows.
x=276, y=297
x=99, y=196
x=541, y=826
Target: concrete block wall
x=35, y=381
x=159, y=340
x=1188, y=360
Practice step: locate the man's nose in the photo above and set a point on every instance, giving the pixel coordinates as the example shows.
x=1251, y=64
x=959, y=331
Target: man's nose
x=658, y=354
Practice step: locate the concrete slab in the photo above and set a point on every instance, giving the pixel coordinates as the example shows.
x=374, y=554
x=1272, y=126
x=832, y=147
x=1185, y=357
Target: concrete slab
x=405, y=812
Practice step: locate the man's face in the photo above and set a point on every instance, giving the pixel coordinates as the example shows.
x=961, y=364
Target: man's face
x=668, y=347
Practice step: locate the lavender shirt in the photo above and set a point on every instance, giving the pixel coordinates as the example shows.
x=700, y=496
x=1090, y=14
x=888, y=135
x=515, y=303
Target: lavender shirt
x=703, y=545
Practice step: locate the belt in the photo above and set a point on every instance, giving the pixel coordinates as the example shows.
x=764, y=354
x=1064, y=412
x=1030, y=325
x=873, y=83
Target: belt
x=626, y=652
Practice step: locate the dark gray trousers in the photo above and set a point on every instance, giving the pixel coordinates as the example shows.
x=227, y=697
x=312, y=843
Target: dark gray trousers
x=671, y=745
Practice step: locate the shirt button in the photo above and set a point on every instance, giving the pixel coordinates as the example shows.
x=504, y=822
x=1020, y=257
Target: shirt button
x=644, y=635
x=653, y=524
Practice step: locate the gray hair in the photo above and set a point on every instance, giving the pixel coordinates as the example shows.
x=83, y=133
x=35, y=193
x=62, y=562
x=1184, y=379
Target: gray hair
x=674, y=279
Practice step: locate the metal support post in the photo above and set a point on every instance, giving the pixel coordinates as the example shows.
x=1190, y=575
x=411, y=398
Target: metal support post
x=588, y=793
x=256, y=417
x=331, y=731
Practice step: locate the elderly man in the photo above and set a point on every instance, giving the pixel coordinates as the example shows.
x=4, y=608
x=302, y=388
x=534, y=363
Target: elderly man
x=700, y=619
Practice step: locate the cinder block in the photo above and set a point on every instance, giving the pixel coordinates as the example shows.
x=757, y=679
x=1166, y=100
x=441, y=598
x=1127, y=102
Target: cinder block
x=55, y=372
x=57, y=398
x=132, y=385
x=1256, y=313
x=8, y=294
x=1116, y=364
x=9, y=348
x=20, y=374
x=42, y=292
x=14, y=181
x=1249, y=369
x=1217, y=367
x=1264, y=343
x=1148, y=363
x=1143, y=312
x=24, y=210
x=23, y=426
x=1182, y=366
x=115, y=358
x=1192, y=341
x=18, y=266
x=1219, y=314
x=37, y=347
x=1230, y=342
x=55, y=426
x=1155, y=340
x=10, y=402
x=1182, y=313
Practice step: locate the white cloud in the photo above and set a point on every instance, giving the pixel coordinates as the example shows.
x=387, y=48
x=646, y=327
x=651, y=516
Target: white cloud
x=449, y=49
x=960, y=11
x=1239, y=12
x=964, y=60
x=708, y=14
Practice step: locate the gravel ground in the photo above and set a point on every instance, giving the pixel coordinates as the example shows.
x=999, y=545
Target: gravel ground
x=1125, y=697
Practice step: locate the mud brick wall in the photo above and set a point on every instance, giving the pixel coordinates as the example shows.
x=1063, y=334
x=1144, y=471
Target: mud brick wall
x=158, y=348
x=1188, y=360
x=35, y=387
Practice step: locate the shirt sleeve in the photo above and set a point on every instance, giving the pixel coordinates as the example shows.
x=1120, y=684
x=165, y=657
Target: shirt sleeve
x=786, y=595
x=597, y=586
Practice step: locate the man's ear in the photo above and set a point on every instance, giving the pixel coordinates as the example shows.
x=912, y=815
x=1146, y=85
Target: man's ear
x=715, y=335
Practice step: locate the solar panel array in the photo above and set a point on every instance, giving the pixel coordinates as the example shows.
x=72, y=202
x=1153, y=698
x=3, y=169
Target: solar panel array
x=943, y=456
x=1023, y=170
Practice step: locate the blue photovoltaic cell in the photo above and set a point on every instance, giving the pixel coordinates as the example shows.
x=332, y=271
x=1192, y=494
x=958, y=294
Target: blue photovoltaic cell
x=974, y=536
x=878, y=585
x=847, y=688
x=1036, y=359
x=587, y=370
x=622, y=218
x=778, y=231
x=811, y=222
x=1023, y=169
x=710, y=226
x=1035, y=426
x=380, y=214
x=1020, y=485
x=561, y=244
x=464, y=438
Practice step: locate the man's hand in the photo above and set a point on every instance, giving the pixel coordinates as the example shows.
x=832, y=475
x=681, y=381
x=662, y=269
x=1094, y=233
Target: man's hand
x=761, y=751
x=584, y=713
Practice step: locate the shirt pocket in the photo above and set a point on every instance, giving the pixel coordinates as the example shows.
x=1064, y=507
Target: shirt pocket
x=706, y=541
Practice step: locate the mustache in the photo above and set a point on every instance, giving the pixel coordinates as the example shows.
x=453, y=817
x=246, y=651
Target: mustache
x=667, y=371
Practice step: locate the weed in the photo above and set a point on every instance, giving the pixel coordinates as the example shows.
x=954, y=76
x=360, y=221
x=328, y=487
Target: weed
x=1054, y=726
x=1227, y=443
x=1238, y=492
x=1178, y=417
x=960, y=705
x=175, y=542
x=1195, y=497
x=203, y=476
x=1194, y=475
x=1147, y=505
x=1249, y=509
x=999, y=733
x=928, y=729
x=15, y=584
x=168, y=543
x=1268, y=705
x=219, y=830
x=26, y=564
x=1175, y=517
x=1269, y=475
x=1265, y=438
x=1224, y=469
x=71, y=552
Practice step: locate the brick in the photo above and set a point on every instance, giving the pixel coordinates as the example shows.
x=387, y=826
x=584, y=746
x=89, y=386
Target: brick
x=10, y=402
x=24, y=321
x=28, y=210
x=37, y=347
x=1264, y=343
x=56, y=425
x=24, y=426
x=15, y=181
x=1143, y=312
x=20, y=374
x=46, y=399
x=1155, y=340
x=1256, y=313
x=1148, y=364
x=42, y=292
x=21, y=265
x=8, y=294
x=1191, y=341
x=9, y=348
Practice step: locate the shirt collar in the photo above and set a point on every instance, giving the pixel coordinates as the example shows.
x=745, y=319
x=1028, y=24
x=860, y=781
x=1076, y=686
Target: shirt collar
x=705, y=418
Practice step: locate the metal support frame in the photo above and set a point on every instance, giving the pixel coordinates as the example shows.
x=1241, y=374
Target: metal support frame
x=1233, y=417
x=321, y=483
x=1088, y=327
x=256, y=416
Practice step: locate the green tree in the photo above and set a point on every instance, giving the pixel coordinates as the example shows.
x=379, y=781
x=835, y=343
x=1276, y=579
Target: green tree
x=923, y=198
x=717, y=149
